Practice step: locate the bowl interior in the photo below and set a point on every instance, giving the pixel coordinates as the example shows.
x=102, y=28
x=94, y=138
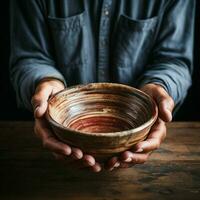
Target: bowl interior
x=101, y=108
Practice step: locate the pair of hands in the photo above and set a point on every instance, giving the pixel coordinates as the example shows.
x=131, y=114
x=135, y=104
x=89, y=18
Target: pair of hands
x=75, y=156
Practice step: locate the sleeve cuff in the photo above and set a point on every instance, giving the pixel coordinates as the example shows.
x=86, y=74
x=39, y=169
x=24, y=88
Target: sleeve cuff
x=32, y=75
x=169, y=86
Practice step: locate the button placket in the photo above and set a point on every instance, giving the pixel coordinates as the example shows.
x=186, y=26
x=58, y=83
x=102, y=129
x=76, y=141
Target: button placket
x=103, y=57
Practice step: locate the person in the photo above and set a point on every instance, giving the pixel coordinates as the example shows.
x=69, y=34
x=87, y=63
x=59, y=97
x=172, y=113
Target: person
x=145, y=44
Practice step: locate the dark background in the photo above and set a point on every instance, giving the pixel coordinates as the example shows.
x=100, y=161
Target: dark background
x=189, y=111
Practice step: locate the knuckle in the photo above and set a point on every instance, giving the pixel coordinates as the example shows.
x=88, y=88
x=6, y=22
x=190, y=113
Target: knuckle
x=35, y=98
x=159, y=89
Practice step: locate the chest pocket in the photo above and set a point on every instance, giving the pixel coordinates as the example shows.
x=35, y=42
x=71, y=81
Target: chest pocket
x=69, y=40
x=131, y=45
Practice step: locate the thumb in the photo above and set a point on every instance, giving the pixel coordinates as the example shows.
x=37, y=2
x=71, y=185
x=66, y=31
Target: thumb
x=165, y=106
x=40, y=101
x=44, y=90
x=163, y=100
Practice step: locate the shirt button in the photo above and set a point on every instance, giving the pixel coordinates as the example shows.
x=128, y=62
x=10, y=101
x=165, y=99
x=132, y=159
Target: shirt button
x=106, y=12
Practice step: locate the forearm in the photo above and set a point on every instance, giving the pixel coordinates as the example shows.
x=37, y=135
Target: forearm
x=31, y=56
x=171, y=61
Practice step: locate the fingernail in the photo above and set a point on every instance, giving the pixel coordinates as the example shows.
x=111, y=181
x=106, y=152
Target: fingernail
x=117, y=164
x=76, y=156
x=128, y=159
x=67, y=152
x=98, y=169
x=88, y=163
x=139, y=150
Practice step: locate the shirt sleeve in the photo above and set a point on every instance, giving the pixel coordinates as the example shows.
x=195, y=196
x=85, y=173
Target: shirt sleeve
x=31, y=53
x=172, y=56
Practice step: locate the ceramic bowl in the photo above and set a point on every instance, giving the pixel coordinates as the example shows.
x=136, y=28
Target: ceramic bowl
x=102, y=119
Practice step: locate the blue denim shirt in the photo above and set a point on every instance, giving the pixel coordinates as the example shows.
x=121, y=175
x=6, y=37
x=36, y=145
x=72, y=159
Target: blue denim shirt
x=81, y=41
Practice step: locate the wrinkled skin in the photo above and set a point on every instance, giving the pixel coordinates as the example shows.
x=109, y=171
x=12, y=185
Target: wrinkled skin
x=75, y=157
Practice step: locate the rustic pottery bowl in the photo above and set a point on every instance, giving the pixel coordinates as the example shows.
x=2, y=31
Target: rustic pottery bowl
x=103, y=119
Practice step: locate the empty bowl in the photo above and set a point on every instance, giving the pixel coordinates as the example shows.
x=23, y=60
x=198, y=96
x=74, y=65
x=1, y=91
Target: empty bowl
x=102, y=119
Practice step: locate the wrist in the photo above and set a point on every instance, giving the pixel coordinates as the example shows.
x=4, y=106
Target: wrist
x=51, y=81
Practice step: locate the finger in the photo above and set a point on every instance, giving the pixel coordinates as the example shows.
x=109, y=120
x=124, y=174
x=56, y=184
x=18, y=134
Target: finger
x=126, y=165
x=129, y=158
x=40, y=101
x=70, y=162
x=136, y=158
x=42, y=94
x=76, y=164
x=96, y=168
x=156, y=136
x=76, y=153
x=39, y=125
x=54, y=145
x=165, y=106
x=67, y=159
x=126, y=156
x=139, y=158
x=163, y=100
x=49, y=141
x=88, y=160
x=112, y=163
x=58, y=156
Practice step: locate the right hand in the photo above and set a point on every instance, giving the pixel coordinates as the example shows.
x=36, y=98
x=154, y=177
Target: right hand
x=71, y=155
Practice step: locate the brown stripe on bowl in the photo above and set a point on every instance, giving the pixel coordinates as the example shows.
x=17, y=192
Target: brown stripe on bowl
x=102, y=119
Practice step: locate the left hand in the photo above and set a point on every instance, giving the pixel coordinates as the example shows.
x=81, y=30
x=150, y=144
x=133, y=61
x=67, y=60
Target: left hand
x=157, y=134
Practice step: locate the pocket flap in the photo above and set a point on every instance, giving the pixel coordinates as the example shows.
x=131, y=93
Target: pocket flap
x=138, y=25
x=69, y=23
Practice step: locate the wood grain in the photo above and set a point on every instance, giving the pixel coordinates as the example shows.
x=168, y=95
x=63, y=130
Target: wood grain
x=27, y=171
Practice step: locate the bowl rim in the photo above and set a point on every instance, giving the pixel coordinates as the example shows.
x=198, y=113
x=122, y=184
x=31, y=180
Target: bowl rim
x=151, y=121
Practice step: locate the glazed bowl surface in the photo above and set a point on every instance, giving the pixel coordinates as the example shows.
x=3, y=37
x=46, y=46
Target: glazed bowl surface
x=102, y=119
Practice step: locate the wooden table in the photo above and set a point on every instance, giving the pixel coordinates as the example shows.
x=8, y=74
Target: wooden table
x=27, y=171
